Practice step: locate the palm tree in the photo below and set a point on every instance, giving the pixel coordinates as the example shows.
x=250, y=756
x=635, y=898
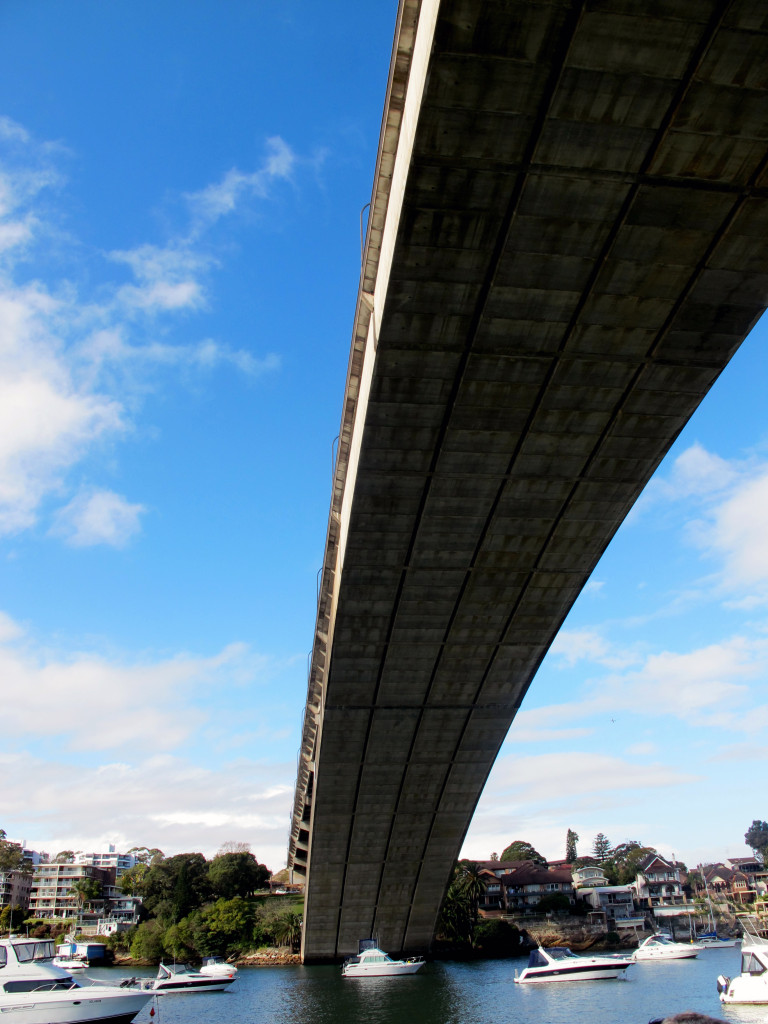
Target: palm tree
x=287, y=930
x=84, y=890
x=472, y=884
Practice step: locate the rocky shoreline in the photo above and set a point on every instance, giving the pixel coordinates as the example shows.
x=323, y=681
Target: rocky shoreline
x=268, y=956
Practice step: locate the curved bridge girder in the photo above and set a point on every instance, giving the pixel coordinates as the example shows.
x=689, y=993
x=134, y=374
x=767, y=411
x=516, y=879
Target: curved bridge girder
x=568, y=240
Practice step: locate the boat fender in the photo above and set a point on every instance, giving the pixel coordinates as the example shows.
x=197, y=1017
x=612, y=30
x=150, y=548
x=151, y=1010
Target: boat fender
x=723, y=983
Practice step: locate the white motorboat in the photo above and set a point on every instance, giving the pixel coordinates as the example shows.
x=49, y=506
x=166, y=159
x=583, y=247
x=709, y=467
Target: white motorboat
x=69, y=963
x=558, y=963
x=751, y=986
x=216, y=967
x=661, y=947
x=372, y=962
x=33, y=990
x=711, y=940
x=174, y=978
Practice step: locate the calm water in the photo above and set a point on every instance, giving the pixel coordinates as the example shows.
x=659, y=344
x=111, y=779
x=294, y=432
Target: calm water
x=453, y=993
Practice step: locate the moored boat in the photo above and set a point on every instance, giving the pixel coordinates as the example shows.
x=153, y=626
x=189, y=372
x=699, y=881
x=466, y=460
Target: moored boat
x=215, y=967
x=33, y=990
x=175, y=978
x=751, y=986
x=372, y=962
x=661, y=947
x=558, y=963
x=711, y=940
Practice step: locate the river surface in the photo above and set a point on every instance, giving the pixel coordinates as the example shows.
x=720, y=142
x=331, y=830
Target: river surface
x=449, y=992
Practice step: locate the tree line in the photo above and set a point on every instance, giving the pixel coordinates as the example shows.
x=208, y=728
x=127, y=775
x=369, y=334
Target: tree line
x=190, y=907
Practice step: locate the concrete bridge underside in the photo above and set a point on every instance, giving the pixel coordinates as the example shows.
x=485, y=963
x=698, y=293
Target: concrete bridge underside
x=568, y=239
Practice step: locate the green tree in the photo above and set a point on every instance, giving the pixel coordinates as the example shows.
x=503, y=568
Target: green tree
x=601, y=848
x=469, y=879
x=147, y=855
x=236, y=874
x=11, y=917
x=756, y=838
x=179, y=941
x=64, y=857
x=556, y=901
x=147, y=943
x=622, y=865
x=497, y=938
x=229, y=924
x=520, y=850
x=174, y=886
x=288, y=930
x=131, y=882
x=571, y=838
x=11, y=854
x=85, y=890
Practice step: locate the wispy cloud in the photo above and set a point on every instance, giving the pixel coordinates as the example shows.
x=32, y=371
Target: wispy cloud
x=160, y=800
x=73, y=364
x=223, y=197
x=149, y=703
x=98, y=517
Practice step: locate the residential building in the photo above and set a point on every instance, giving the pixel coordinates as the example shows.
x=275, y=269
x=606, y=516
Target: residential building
x=755, y=870
x=51, y=894
x=121, y=862
x=528, y=884
x=724, y=881
x=658, y=883
x=590, y=875
x=15, y=887
x=613, y=904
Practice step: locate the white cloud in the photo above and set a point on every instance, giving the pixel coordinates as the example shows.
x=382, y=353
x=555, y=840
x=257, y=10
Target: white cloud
x=217, y=200
x=574, y=645
x=168, y=278
x=736, y=531
x=89, y=702
x=709, y=686
x=72, y=365
x=160, y=801
x=99, y=517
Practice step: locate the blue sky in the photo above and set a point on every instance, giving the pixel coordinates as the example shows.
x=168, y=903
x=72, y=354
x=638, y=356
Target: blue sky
x=180, y=194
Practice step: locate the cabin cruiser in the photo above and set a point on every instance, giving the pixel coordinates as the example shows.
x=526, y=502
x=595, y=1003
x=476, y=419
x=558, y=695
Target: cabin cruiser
x=751, y=986
x=558, y=963
x=372, y=962
x=711, y=940
x=181, y=978
x=216, y=967
x=35, y=991
x=69, y=963
x=662, y=947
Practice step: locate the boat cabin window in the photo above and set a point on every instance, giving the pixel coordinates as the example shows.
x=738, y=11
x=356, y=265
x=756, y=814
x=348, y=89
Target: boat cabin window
x=3, y=956
x=26, y=952
x=36, y=985
x=560, y=953
x=751, y=965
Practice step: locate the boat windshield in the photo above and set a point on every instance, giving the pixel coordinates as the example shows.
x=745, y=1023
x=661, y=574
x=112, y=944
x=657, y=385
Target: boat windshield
x=26, y=952
x=538, y=957
x=35, y=985
x=561, y=953
x=750, y=964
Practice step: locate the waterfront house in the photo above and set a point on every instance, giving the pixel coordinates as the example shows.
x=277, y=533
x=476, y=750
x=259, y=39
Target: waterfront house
x=658, y=883
x=589, y=875
x=613, y=905
x=525, y=887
